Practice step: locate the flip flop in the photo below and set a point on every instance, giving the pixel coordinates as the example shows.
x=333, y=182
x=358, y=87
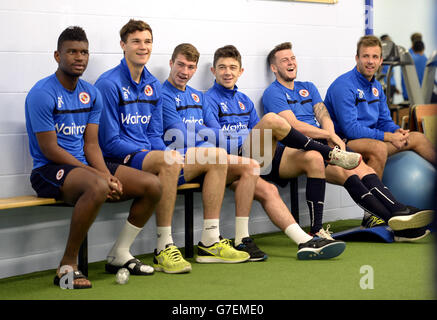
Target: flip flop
x=76, y=275
x=133, y=265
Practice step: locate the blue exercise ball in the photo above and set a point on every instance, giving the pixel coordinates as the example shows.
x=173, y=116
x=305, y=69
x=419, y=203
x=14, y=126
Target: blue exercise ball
x=411, y=179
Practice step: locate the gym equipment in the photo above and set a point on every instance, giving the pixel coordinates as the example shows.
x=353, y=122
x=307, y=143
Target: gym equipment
x=429, y=77
x=394, y=55
x=410, y=178
x=375, y=234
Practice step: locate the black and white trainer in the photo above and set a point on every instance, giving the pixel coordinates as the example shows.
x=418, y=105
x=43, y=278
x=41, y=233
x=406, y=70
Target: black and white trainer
x=248, y=245
x=410, y=218
x=320, y=248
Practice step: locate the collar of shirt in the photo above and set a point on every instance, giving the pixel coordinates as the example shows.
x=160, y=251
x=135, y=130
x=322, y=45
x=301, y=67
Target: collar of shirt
x=229, y=93
x=362, y=80
x=171, y=87
x=145, y=75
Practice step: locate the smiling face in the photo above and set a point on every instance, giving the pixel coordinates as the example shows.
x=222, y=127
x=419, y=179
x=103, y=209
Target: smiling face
x=137, y=48
x=369, y=59
x=72, y=57
x=181, y=71
x=227, y=71
x=285, y=65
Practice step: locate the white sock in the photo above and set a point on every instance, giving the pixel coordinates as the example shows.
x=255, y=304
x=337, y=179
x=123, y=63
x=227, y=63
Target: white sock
x=241, y=229
x=164, y=237
x=211, y=232
x=120, y=253
x=295, y=233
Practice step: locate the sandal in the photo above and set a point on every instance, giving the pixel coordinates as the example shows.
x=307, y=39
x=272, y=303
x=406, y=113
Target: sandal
x=77, y=274
x=134, y=267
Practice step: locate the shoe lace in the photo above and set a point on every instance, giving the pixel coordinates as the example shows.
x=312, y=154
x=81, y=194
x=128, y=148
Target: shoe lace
x=173, y=253
x=226, y=242
x=334, y=153
x=326, y=233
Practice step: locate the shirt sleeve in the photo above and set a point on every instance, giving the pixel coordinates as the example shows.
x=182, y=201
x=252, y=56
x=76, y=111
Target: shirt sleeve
x=314, y=93
x=212, y=121
x=175, y=131
x=274, y=101
x=385, y=121
x=96, y=109
x=346, y=115
x=254, y=119
x=155, y=129
x=41, y=106
x=210, y=113
x=111, y=142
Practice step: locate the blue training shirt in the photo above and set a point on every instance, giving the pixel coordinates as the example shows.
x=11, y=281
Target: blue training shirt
x=51, y=107
x=184, y=111
x=231, y=111
x=358, y=107
x=300, y=100
x=131, y=119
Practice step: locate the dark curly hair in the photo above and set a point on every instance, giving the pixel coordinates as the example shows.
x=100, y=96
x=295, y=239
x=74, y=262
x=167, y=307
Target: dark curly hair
x=73, y=33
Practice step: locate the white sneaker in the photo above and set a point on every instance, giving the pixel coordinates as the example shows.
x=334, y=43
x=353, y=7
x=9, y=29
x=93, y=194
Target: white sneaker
x=325, y=234
x=345, y=159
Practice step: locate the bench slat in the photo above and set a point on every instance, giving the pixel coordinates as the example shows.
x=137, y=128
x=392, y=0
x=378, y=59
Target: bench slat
x=30, y=201
x=25, y=201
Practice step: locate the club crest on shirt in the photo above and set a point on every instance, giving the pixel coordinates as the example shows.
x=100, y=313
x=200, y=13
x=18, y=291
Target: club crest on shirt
x=304, y=93
x=84, y=97
x=375, y=92
x=195, y=97
x=148, y=90
x=60, y=174
x=242, y=106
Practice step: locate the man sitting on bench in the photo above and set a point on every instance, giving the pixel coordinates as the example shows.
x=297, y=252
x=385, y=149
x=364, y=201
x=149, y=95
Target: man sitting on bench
x=62, y=119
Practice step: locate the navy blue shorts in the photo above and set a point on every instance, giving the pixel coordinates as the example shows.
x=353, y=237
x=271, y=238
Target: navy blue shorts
x=273, y=176
x=135, y=160
x=48, y=180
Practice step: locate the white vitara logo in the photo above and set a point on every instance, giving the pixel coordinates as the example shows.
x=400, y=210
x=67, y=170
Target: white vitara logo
x=60, y=102
x=126, y=92
x=135, y=119
x=192, y=120
x=73, y=130
x=234, y=127
x=224, y=106
x=360, y=93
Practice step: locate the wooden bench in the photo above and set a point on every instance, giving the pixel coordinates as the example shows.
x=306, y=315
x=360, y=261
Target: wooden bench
x=187, y=190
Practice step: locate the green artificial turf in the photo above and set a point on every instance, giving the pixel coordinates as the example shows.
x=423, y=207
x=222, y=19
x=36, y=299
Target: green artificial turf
x=400, y=271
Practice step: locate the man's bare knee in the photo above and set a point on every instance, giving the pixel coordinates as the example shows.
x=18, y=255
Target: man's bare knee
x=313, y=162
